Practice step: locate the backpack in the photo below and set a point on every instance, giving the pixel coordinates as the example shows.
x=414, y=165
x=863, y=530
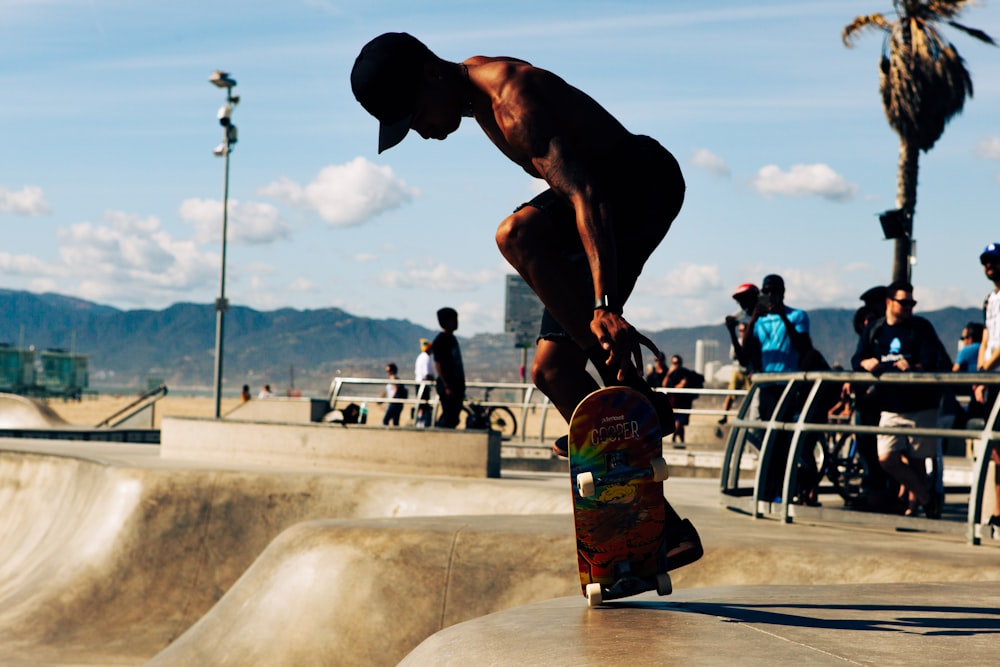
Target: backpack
x=695, y=380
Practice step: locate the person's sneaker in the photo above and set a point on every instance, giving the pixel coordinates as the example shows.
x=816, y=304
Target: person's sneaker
x=561, y=446
x=683, y=544
x=933, y=507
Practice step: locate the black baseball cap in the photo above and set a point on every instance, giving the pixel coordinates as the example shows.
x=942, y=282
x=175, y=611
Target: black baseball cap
x=386, y=79
x=772, y=283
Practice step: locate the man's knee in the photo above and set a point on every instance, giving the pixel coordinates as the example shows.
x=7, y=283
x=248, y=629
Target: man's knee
x=516, y=231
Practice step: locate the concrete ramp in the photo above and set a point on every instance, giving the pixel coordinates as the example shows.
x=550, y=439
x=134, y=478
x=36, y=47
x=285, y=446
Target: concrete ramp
x=367, y=592
x=776, y=626
x=23, y=412
x=106, y=564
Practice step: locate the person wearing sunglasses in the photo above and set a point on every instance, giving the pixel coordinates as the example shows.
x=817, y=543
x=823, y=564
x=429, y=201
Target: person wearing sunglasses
x=902, y=342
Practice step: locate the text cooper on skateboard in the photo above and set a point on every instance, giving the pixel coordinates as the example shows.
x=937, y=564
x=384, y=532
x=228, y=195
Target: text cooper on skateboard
x=582, y=243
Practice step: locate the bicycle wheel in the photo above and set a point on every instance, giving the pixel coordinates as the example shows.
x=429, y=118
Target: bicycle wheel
x=847, y=469
x=502, y=420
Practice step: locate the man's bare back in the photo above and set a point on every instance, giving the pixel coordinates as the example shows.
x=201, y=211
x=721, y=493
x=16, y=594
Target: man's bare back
x=534, y=117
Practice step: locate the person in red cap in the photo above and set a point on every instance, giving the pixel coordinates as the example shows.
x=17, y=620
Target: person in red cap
x=746, y=295
x=582, y=243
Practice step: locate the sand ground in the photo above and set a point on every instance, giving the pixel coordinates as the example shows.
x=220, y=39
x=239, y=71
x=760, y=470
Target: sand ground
x=95, y=408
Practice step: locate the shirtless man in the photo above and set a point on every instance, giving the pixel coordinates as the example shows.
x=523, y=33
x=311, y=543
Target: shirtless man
x=582, y=243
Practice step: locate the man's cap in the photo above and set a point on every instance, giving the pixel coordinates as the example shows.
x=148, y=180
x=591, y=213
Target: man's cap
x=386, y=79
x=424, y=343
x=992, y=250
x=874, y=295
x=746, y=288
x=773, y=283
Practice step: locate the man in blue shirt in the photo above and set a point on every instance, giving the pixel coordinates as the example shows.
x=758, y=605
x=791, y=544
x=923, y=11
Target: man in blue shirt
x=775, y=341
x=777, y=335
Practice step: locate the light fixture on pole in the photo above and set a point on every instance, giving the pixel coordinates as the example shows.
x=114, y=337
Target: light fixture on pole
x=229, y=134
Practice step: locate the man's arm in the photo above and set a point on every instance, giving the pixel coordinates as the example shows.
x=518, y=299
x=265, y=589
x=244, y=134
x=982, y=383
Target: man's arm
x=988, y=363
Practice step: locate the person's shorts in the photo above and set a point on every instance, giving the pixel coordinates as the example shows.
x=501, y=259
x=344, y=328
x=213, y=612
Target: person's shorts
x=739, y=380
x=650, y=188
x=914, y=445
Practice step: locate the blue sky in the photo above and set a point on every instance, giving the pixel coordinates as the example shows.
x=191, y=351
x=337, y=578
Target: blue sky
x=109, y=189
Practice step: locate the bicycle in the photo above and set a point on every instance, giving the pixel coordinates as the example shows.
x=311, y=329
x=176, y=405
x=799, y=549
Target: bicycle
x=480, y=416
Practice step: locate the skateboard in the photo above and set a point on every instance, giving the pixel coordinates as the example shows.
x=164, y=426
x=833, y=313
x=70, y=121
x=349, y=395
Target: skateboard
x=617, y=472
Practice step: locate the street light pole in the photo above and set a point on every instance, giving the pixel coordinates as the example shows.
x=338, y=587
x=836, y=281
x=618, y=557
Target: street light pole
x=229, y=134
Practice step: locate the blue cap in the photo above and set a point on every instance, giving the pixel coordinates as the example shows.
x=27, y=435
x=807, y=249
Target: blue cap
x=992, y=250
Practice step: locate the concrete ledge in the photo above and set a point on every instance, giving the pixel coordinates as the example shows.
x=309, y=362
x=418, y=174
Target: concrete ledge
x=777, y=626
x=353, y=448
x=281, y=409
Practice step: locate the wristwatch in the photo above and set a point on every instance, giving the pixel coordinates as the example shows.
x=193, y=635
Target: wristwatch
x=603, y=302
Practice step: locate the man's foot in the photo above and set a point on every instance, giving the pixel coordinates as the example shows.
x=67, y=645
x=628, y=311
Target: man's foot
x=683, y=544
x=994, y=520
x=561, y=446
x=932, y=508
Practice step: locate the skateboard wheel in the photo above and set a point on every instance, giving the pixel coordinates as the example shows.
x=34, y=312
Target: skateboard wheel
x=659, y=466
x=594, y=595
x=585, y=484
x=663, y=584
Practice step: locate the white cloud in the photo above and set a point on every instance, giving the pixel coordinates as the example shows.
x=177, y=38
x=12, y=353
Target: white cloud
x=683, y=281
x=708, y=160
x=439, y=277
x=365, y=257
x=989, y=148
x=29, y=201
x=250, y=223
x=804, y=180
x=302, y=285
x=24, y=265
x=345, y=195
x=130, y=259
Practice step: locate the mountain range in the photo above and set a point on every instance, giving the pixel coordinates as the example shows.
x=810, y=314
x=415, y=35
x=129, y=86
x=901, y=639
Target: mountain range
x=308, y=348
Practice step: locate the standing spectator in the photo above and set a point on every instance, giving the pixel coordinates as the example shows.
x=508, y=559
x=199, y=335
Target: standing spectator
x=776, y=338
x=970, y=340
x=901, y=342
x=245, y=394
x=679, y=377
x=989, y=351
x=659, y=371
x=393, y=391
x=265, y=392
x=746, y=296
x=423, y=372
x=449, y=368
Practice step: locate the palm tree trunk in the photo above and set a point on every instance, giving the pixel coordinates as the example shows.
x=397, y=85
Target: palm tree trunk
x=906, y=200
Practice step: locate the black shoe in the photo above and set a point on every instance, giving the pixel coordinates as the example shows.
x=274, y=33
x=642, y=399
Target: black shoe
x=561, y=446
x=683, y=544
x=933, y=507
x=994, y=521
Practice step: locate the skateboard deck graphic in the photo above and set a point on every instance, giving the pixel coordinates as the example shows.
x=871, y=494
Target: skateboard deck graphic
x=616, y=469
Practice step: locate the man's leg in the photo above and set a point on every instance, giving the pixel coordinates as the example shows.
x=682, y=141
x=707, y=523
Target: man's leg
x=560, y=372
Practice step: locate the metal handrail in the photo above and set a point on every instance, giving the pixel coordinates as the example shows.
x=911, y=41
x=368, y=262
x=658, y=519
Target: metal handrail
x=528, y=402
x=807, y=421
x=531, y=398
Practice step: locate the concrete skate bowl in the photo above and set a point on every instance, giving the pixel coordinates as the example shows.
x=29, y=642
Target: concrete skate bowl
x=104, y=564
x=23, y=412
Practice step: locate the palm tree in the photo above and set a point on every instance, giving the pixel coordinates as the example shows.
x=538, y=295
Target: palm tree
x=924, y=83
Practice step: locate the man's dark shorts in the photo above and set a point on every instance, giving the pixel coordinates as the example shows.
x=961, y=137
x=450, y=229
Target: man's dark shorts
x=647, y=194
